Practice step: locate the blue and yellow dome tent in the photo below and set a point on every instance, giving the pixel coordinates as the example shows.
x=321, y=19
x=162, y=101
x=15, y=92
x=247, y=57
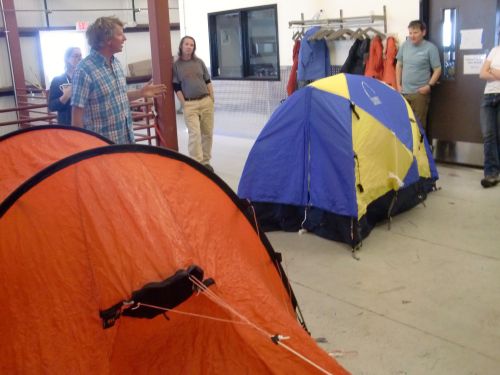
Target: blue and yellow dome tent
x=337, y=157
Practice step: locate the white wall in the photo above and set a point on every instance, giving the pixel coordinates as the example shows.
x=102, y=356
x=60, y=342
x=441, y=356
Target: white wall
x=194, y=19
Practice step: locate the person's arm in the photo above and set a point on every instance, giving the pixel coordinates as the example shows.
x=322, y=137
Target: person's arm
x=176, y=84
x=436, y=73
x=435, y=64
x=495, y=73
x=147, y=91
x=399, y=73
x=489, y=73
x=211, y=90
x=180, y=96
x=66, y=96
x=58, y=98
x=206, y=78
x=77, y=116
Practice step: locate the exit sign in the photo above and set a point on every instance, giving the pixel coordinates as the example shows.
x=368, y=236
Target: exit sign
x=82, y=25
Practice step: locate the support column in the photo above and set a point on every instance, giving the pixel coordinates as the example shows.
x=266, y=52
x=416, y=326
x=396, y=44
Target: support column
x=15, y=57
x=161, y=56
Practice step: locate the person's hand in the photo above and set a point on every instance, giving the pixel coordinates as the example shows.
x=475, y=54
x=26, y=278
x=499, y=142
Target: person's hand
x=67, y=90
x=150, y=90
x=424, y=90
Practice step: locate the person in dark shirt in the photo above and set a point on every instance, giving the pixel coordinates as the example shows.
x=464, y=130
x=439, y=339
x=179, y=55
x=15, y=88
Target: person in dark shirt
x=60, y=88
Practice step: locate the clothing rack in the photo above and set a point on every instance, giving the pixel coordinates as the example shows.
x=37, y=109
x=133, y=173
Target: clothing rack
x=327, y=25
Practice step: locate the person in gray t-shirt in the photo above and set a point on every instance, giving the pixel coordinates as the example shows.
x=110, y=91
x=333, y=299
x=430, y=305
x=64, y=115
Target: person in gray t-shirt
x=194, y=89
x=417, y=70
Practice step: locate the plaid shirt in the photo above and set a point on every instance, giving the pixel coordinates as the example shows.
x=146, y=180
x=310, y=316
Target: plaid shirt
x=101, y=90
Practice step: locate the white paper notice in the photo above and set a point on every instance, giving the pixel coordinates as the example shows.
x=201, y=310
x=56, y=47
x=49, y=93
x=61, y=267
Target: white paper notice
x=471, y=39
x=473, y=63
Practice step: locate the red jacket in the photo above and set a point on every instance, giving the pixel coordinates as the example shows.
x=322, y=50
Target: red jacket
x=292, y=81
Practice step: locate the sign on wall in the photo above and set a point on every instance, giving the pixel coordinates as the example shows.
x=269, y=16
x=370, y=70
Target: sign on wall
x=471, y=39
x=473, y=63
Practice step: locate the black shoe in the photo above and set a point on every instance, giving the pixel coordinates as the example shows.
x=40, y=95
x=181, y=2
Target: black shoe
x=209, y=167
x=489, y=181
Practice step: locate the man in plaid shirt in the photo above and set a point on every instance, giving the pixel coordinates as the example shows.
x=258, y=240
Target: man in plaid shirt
x=100, y=100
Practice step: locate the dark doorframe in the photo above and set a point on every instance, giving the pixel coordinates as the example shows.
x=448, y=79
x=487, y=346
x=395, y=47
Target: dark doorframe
x=424, y=12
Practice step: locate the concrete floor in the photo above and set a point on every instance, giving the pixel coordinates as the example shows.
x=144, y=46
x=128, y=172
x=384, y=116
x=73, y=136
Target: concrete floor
x=424, y=298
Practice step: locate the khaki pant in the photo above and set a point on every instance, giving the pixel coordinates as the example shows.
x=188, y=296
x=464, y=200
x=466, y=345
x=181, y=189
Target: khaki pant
x=199, y=118
x=420, y=105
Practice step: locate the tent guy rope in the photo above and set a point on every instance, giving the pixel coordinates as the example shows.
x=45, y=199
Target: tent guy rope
x=276, y=339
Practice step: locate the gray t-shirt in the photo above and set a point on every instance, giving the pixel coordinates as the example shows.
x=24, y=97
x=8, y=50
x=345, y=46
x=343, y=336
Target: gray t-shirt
x=418, y=62
x=192, y=75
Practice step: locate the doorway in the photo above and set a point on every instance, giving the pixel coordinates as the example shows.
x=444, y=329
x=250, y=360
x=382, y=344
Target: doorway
x=464, y=32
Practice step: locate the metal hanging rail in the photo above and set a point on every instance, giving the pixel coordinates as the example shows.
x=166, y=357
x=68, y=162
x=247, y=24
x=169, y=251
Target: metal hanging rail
x=341, y=22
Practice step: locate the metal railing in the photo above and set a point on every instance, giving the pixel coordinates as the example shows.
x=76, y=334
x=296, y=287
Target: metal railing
x=32, y=110
x=144, y=122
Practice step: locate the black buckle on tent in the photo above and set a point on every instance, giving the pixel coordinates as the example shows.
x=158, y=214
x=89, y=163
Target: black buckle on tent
x=359, y=186
x=165, y=294
x=421, y=134
x=353, y=109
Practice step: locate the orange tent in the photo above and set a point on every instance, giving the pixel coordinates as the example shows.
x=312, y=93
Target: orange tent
x=90, y=234
x=27, y=151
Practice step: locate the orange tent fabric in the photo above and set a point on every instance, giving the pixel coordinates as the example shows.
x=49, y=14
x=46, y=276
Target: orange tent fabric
x=27, y=151
x=391, y=51
x=85, y=233
x=375, y=65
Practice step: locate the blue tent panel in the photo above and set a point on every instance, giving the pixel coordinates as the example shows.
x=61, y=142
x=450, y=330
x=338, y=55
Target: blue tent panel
x=332, y=181
x=275, y=168
x=412, y=176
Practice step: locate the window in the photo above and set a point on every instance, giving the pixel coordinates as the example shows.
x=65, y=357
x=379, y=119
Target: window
x=448, y=43
x=244, y=44
x=53, y=45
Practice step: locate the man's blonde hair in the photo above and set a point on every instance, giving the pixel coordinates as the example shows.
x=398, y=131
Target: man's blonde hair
x=102, y=30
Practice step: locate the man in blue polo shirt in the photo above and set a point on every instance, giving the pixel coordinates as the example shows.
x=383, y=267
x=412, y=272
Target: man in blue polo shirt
x=417, y=70
x=100, y=100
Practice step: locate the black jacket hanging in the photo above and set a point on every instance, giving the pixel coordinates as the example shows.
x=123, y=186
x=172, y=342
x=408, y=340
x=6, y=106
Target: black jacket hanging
x=355, y=62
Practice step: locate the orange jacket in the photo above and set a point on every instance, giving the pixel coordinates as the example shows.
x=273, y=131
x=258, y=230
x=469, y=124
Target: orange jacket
x=375, y=64
x=391, y=51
